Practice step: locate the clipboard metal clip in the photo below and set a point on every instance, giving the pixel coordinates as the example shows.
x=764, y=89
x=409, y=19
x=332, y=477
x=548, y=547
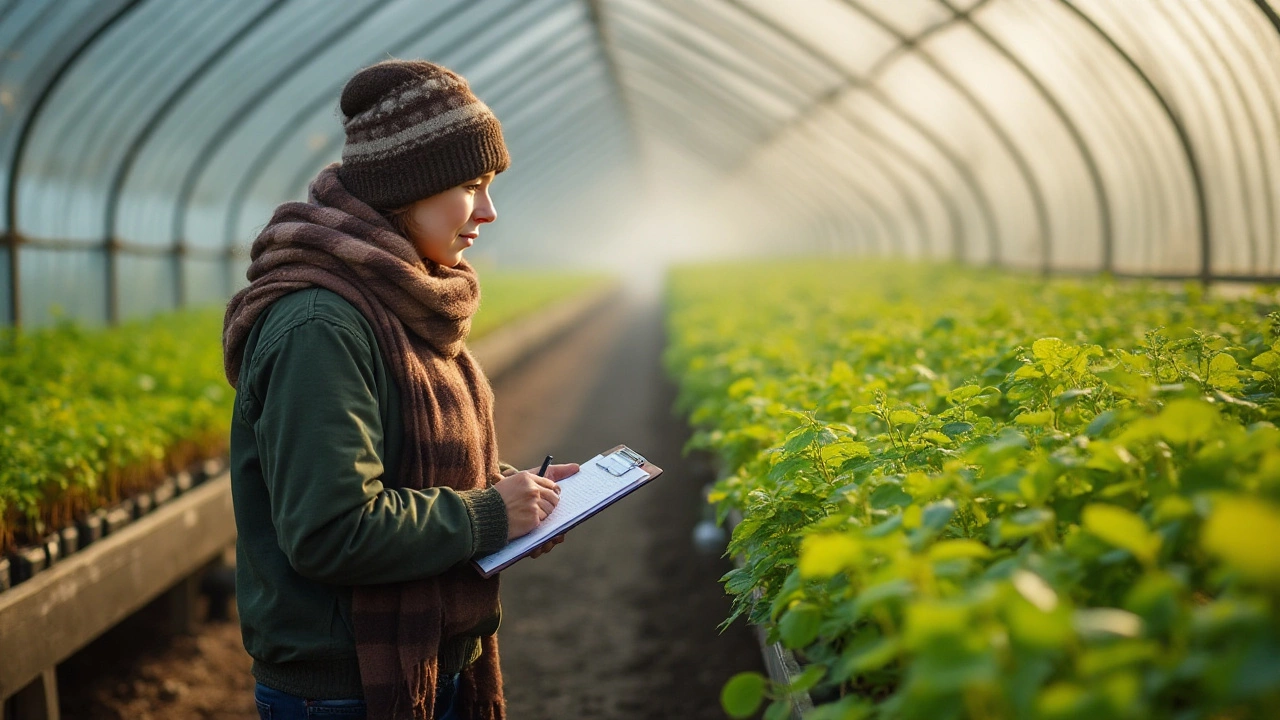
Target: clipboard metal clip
x=621, y=462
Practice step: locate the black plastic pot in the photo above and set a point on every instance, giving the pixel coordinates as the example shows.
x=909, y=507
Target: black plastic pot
x=27, y=561
x=52, y=545
x=92, y=526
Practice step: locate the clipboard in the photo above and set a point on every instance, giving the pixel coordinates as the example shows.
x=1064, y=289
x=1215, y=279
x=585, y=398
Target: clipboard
x=627, y=467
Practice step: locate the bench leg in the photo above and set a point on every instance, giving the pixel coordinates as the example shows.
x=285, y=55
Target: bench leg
x=182, y=605
x=37, y=701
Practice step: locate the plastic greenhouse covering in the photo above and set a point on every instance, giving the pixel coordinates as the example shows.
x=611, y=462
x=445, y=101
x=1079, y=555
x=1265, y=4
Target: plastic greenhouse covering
x=143, y=142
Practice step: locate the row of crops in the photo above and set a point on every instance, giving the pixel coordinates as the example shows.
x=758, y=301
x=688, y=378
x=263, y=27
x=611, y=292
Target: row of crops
x=93, y=417
x=976, y=494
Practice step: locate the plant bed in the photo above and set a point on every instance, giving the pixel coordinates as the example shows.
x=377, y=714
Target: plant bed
x=974, y=494
x=51, y=615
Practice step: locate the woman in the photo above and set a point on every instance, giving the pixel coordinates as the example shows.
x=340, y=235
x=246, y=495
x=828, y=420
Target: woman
x=364, y=466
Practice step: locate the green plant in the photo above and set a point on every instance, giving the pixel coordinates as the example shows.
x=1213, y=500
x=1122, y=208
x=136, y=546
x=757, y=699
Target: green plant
x=976, y=494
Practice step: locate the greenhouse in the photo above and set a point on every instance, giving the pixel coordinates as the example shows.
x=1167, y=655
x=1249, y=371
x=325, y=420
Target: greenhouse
x=947, y=331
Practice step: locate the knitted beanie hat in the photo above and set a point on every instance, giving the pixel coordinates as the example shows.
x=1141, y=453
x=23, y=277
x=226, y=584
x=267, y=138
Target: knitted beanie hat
x=414, y=129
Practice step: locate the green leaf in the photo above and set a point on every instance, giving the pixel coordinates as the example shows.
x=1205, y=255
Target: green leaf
x=1050, y=348
x=959, y=549
x=1223, y=371
x=799, y=625
x=801, y=439
x=1245, y=533
x=935, y=516
x=963, y=393
x=871, y=657
x=1027, y=372
x=889, y=495
x=1123, y=529
x=935, y=437
x=1269, y=361
x=778, y=710
x=738, y=581
x=1038, y=417
x=822, y=556
x=1099, y=424
x=1066, y=397
x=742, y=695
x=903, y=417
x=956, y=429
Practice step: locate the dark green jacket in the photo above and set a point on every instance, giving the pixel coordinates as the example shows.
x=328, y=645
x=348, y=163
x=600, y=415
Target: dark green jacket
x=316, y=428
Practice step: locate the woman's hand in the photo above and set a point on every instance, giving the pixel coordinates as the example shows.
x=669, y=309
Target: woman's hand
x=529, y=499
x=545, y=547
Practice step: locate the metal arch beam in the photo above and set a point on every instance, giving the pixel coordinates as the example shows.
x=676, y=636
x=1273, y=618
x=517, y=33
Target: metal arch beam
x=997, y=127
x=137, y=65
x=693, y=142
x=296, y=121
x=1086, y=154
x=596, y=14
x=1270, y=12
x=822, y=205
x=540, y=60
x=925, y=172
x=550, y=169
x=116, y=188
x=1237, y=145
x=736, y=107
x=24, y=136
x=899, y=183
x=1188, y=149
x=568, y=83
x=669, y=34
x=581, y=107
x=736, y=38
x=234, y=119
x=878, y=208
x=1274, y=111
x=850, y=80
x=726, y=118
x=1105, y=97
x=563, y=93
x=779, y=88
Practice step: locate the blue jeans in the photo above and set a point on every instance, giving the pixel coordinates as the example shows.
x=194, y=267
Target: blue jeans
x=276, y=705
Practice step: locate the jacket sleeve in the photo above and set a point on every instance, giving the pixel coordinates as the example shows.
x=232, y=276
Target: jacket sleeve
x=320, y=436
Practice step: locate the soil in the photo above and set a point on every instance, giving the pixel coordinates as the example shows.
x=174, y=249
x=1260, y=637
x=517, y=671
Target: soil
x=620, y=621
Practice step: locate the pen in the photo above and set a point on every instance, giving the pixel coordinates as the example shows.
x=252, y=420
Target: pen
x=545, y=463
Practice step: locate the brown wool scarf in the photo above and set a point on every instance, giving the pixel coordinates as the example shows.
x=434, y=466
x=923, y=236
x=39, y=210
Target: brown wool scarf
x=420, y=312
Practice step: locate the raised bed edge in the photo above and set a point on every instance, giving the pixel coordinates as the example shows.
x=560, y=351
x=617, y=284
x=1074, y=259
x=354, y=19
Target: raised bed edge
x=779, y=662
x=55, y=613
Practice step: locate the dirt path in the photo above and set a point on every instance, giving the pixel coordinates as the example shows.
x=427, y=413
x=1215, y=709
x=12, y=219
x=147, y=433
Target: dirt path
x=618, y=622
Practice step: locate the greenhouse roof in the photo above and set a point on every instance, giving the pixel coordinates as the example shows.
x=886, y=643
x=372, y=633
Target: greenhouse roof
x=144, y=141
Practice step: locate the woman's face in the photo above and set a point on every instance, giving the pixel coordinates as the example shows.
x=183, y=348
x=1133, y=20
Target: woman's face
x=445, y=224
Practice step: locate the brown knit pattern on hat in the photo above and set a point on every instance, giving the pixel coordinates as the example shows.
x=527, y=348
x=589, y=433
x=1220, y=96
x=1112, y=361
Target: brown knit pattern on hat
x=415, y=129
x=420, y=312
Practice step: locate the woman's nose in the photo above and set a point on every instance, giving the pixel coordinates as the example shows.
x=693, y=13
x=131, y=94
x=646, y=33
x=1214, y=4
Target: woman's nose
x=485, y=211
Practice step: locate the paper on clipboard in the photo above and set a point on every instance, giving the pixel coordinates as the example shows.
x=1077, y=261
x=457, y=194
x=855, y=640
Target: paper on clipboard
x=598, y=482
